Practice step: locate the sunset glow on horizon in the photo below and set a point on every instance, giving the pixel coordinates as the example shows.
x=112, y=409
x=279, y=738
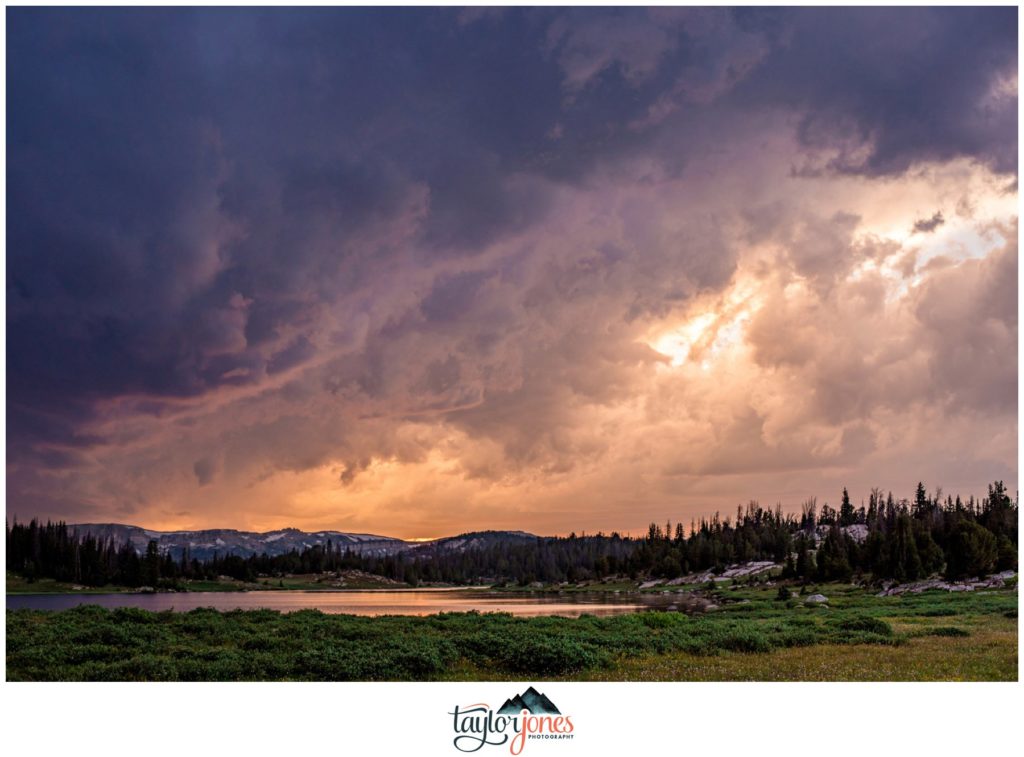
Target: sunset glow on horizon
x=550, y=270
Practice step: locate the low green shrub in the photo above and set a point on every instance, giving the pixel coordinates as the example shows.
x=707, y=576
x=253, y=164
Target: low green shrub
x=947, y=631
x=865, y=624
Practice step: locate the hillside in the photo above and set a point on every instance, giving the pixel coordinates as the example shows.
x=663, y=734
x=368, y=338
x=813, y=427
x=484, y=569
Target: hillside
x=203, y=544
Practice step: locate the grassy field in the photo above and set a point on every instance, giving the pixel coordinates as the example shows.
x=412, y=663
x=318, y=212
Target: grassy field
x=328, y=582
x=17, y=584
x=752, y=636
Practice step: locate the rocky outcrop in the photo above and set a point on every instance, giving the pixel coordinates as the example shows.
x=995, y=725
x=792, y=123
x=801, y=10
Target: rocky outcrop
x=937, y=584
x=858, y=532
x=740, y=570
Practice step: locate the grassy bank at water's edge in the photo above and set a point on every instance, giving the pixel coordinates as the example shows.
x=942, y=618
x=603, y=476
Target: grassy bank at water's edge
x=17, y=584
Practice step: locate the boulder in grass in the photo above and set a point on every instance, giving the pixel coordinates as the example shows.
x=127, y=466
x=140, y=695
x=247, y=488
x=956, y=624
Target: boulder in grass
x=816, y=599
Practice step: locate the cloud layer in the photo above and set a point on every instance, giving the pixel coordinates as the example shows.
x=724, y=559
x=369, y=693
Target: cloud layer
x=416, y=271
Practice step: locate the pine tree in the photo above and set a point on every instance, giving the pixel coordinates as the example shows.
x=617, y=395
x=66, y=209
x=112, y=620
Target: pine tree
x=973, y=551
x=921, y=503
x=151, y=565
x=904, y=563
x=846, y=514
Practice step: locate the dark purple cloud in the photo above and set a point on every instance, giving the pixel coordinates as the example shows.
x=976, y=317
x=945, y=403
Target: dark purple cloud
x=927, y=225
x=888, y=87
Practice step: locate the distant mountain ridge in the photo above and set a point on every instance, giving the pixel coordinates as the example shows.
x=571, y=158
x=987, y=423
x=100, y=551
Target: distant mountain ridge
x=202, y=544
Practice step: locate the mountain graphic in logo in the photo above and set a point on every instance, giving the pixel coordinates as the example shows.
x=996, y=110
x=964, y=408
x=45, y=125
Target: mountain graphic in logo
x=531, y=700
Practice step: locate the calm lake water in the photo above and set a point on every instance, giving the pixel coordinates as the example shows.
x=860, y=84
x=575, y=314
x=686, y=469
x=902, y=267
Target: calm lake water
x=376, y=602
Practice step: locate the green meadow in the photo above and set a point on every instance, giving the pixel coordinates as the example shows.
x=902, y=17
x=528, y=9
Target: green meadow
x=754, y=634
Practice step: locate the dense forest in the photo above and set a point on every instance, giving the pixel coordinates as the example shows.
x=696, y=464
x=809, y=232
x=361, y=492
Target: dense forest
x=902, y=540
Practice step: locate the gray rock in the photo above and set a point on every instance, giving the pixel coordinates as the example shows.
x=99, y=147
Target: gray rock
x=992, y=582
x=748, y=569
x=815, y=599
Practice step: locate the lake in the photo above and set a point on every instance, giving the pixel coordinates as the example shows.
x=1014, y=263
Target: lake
x=370, y=602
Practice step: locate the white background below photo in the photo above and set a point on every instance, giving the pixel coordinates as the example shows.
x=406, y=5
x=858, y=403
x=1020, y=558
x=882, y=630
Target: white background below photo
x=608, y=718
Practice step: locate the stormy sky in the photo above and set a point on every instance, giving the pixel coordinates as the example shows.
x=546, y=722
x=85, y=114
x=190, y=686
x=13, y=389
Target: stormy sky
x=421, y=271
